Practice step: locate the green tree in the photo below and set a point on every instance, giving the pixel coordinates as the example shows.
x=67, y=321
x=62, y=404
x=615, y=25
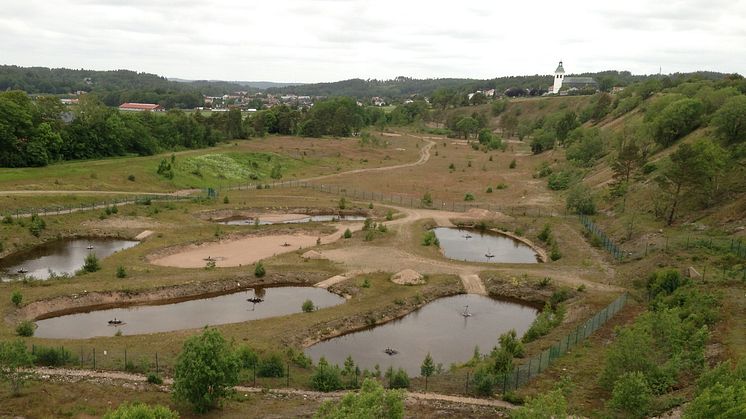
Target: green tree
x=730, y=120
x=308, y=306
x=372, y=402
x=719, y=401
x=586, y=146
x=205, y=371
x=580, y=200
x=141, y=411
x=692, y=166
x=467, y=126
x=510, y=342
x=25, y=328
x=677, y=120
x=631, y=395
x=259, y=270
x=427, y=200
x=121, y=272
x=91, y=263
x=427, y=368
x=14, y=359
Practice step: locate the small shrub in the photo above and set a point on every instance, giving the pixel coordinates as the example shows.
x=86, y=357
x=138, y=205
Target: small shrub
x=16, y=298
x=259, y=270
x=632, y=395
x=342, y=203
x=7, y=219
x=370, y=205
x=25, y=328
x=427, y=200
x=501, y=186
x=271, y=366
x=226, y=200
x=484, y=382
x=382, y=228
x=37, y=225
x=369, y=235
x=326, y=377
x=398, y=378
x=469, y=197
x=543, y=282
x=52, y=357
x=389, y=215
x=429, y=238
x=91, y=263
x=559, y=296
x=555, y=254
x=545, y=233
x=347, y=234
x=210, y=264
x=512, y=164
x=247, y=357
x=131, y=178
x=121, y=272
x=366, y=283
x=451, y=167
x=489, y=189
x=308, y=306
x=154, y=378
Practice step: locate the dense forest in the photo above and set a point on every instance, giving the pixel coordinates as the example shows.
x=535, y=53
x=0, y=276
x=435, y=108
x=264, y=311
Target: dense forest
x=113, y=87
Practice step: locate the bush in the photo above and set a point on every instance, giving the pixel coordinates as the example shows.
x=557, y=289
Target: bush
x=131, y=178
x=121, y=272
x=559, y=181
x=555, y=253
x=631, y=395
x=489, y=189
x=389, y=215
x=91, y=263
x=308, y=306
x=37, y=225
x=510, y=343
x=429, y=238
x=427, y=200
x=484, y=382
x=501, y=186
x=545, y=234
x=677, y=120
x=226, y=200
x=205, y=371
x=25, y=328
x=154, y=378
x=664, y=281
x=271, y=366
x=547, y=405
x=543, y=323
x=247, y=357
x=259, y=270
x=342, y=203
x=372, y=401
x=16, y=298
x=326, y=377
x=398, y=378
x=469, y=197
x=347, y=234
x=503, y=361
x=141, y=411
x=512, y=164
x=559, y=296
x=580, y=200
x=52, y=357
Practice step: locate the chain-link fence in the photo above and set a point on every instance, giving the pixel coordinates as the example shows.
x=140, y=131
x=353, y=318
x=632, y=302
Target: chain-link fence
x=603, y=239
x=103, y=204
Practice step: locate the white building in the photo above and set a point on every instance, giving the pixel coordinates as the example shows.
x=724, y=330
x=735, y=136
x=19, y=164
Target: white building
x=570, y=83
x=559, y=75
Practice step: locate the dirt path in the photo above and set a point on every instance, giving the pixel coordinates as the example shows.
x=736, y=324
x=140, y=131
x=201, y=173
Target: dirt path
x=473, y=284
x=46, y=373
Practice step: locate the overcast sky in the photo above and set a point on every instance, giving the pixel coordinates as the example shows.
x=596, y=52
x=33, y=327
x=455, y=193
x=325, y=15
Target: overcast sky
x=328, y=40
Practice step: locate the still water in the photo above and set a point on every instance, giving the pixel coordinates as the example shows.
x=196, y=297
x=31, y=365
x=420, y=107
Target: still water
x=483, y=246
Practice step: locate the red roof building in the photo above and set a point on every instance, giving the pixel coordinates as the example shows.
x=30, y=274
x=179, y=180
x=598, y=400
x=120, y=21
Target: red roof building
x=140, y=107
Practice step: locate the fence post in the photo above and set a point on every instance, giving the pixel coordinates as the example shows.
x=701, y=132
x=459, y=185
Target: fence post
x=466, y=384
x=157, y=369
x=94, y=358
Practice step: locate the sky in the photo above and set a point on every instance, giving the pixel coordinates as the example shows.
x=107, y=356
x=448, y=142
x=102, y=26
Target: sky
x=328, y=40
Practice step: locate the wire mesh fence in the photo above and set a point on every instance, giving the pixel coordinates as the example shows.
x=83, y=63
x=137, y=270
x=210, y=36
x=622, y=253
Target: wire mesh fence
x=604, y=240
x=103, y=204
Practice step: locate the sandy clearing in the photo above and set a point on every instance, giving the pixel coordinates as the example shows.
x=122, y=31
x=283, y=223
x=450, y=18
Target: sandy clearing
x=473, y=284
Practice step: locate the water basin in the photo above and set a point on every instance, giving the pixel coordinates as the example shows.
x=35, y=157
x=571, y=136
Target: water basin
x=483, y=246
x=439, y=328
x=61, y=257
x=228, y=308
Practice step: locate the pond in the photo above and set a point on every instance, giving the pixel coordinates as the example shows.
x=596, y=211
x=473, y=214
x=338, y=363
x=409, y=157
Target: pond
x=439, y=328
x=61, y=257
x=474, y=245
x=299, y=220
x=228, y=308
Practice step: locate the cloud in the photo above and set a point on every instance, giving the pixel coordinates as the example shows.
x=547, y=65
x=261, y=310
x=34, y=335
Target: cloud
x=327, y=40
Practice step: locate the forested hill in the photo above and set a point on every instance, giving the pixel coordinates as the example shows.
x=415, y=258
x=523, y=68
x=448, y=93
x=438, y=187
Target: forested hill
x=113, y=87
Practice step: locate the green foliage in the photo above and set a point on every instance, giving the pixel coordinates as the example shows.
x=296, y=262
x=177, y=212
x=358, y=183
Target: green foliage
x=206, y=370
x=14, y=360
x=247, y=357
x=502, y=361
x=276, y=172
x=543, y=323
x=121, y=272
x=154, y=378
x=730, y=120
x=165, y=169
x=585, y=146
x=25, y=328
x=141, y=411
x=271, y=366
x=559, y=181
x=546, y=233
x=51, y=356
x=561, y=295
x=511, y=344
x=489, y=189
x=547, y=405
x=429, y=238
x=259, y=270
x=512, y=164
x=91, y=263
x=37, y=225
x=131, y=178
x=580, y=200
x=372, y=402
x=16, y=298
x=366, y=283
x=427, y=369
x=677, y=120
x=338, y=116
x=469, y=196
x=555, y=253
x=498, y=107
x=467, y=126
x=543, y=140
x=342, y=203
x=721, y=393
x=397, y=378
x=664, y=281
x=427, y=200
x=347, y=234
x=308, y=306
x=326, y=377
x=631, y=395
x=484, y=381
x=226, y=200
x=389, y=215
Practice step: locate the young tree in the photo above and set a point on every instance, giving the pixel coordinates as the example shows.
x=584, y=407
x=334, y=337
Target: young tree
x=326, y=377
x=677, y=120
x=580, y=200
x=91, y=263
x=205, y=370
x=547, y=405
x=631, y=395
x=730, y=120
x=467, y=126
x=427, y=368
x=14, y=358
x=16, y=298
x=141, y=411
x=371, y=402
x=692, y=166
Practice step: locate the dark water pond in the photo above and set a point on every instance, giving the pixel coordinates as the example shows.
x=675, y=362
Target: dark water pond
x=308, y=219
x=60, y=256
x=438, y=328
x=483, y=246
x=229, y=308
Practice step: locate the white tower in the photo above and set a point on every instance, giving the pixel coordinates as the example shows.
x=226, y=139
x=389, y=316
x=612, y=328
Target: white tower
x=559, y=76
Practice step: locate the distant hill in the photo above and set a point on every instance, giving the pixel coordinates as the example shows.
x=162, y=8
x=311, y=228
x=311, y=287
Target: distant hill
x=261, y=85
